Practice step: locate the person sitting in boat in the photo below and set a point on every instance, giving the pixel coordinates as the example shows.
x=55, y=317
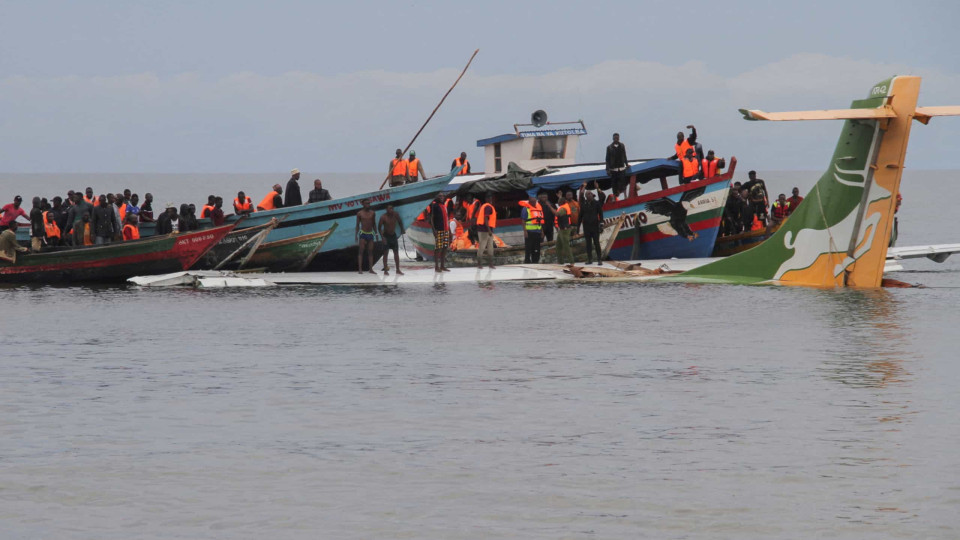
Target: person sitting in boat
x=758, y=195
x=188, y=221
x=216, y=215
x=272, y=200
x=242, y=205
x=780, y=209
x=318, y=194
x=167, y=220
x=207, y=209
x=131, y=229
x=8, y=244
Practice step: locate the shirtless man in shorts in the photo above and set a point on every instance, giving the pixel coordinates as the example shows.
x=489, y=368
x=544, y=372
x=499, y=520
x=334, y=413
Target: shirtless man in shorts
x=388, y=230
x=365, y=234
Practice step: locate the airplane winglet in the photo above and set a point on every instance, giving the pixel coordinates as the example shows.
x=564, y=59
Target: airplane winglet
x=831, y=114
x=924, y=114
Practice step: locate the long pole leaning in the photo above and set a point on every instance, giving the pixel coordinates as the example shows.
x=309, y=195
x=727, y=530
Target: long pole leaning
x=435, y=109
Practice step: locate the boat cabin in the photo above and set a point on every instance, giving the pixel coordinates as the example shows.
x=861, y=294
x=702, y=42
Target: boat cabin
x=533, y=147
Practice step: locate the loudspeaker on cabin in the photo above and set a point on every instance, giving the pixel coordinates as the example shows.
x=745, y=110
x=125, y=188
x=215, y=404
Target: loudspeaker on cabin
x=538, y=118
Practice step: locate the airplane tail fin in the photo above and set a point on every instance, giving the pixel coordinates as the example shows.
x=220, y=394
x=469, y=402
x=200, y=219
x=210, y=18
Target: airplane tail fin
x=838, y=236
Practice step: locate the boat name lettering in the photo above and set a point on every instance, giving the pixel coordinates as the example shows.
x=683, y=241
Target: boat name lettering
x=373, y=198
x=195, y=239
x=337, y=206
x=552, y=132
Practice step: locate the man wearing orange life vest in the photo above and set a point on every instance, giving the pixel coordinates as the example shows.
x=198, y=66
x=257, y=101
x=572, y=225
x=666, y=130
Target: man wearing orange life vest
x=415, y=169
x=272, y=200
x=689, y=168
x=462, y=160
x=532, y=216
x=486, y=224
x=207, y=210
x=710, y=166
x=398, y=170
x=51, y=227
x=780, y=209
x=242, y=205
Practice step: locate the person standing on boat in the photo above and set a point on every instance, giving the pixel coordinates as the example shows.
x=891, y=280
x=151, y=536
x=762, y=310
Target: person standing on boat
x=441, y=235
x=697, y=149
x=293, y=197
x=616, y=163
x=710, y=166
x=591, y=217
x=414, y=169
x=532, y=216
x=574, y=212
x=549, y=219
x=365, y=235
x=387, y=226
x=758, y=195
x=11, y=212
x=398, y=170
x=462, y=160
x=486, y=225
x=272, y=200
x=76, y=212
x=146, y=209
x=318, y=194
x=795, y=201
x=689, y=167
x=37, y=231
x=130, y=229
x=8, y=244
x=105, y=223
x=562, y=220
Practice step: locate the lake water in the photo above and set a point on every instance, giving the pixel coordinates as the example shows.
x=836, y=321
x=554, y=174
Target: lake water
x=510, y=410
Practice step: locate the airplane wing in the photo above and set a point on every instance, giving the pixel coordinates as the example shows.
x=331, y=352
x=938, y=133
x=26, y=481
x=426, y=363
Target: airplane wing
x=831, y=114
x=937, y=252
x=924, y=114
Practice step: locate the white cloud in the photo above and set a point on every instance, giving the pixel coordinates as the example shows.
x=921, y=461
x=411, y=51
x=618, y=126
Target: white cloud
x=352, y=122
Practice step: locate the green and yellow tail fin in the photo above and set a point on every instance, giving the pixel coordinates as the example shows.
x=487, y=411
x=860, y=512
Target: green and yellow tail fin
x=838, y=236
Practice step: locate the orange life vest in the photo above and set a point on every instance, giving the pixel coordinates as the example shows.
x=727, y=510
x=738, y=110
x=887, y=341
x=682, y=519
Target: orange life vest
x=781, y=211
x=466, y=165
x=95, y=201
x=247, y=206
x=556, y=219
x=682, y=149
x=690, y=167
x=87, y=236
x=757, y=224
x=471, y=207
x=398, y=167
x=710, y=168
x=122, y=210
x=131, y=232
x=413, y=168
x=206, y=208
x=534, y=221
x=50, y=226
x=491, y=217
x=267, y=202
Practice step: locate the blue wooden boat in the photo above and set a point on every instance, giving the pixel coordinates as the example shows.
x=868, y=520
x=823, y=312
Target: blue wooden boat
x=339, y=252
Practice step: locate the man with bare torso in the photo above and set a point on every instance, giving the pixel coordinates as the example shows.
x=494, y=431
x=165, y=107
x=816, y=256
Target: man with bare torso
x=365, y=234
x=388, y=231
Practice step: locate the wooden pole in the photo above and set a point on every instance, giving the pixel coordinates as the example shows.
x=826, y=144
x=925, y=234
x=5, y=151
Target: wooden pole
x=435, y=109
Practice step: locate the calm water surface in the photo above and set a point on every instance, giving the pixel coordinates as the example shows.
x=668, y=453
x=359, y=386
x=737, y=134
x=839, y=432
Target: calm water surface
x=486, y=411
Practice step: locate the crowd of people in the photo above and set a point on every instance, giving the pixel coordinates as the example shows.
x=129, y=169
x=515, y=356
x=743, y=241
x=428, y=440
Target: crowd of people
x=748, y=207
x=81, y=218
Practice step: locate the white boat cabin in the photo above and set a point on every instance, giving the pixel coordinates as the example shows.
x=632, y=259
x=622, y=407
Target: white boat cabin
x=533, y=147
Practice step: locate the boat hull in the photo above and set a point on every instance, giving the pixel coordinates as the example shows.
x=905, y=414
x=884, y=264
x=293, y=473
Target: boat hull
x=291, y=255
x=649, y=235
x=339, y=252
x=113, y=262
x=226, y=246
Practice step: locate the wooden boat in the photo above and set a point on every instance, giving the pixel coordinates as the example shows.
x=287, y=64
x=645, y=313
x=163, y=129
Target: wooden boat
x=735, y=243
x=548, y=250
x=290, y=255
x=113, y=262
x=236, y=243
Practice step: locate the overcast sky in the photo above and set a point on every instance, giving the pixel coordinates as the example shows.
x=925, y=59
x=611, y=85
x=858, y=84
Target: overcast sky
x=231, y=86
